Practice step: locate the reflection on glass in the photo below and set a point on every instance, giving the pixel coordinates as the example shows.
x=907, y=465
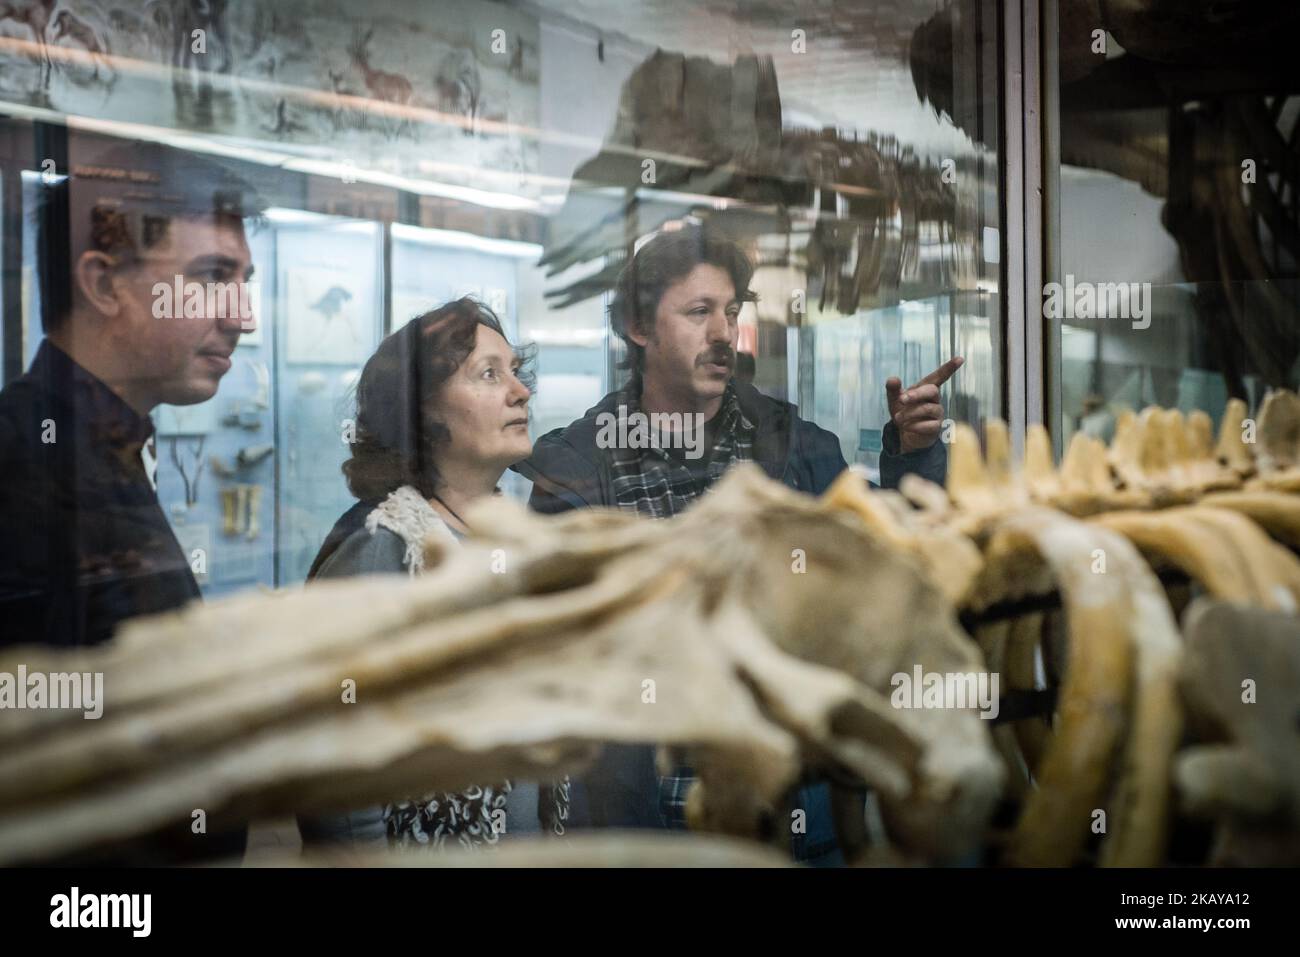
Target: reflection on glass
x=831, y=152
x=521, y=153
x=1178, y=145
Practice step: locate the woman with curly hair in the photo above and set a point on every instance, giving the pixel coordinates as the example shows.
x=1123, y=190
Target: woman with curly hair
x=442, y=411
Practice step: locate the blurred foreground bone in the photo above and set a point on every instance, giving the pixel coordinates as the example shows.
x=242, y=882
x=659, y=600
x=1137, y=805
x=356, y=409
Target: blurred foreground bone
x=761, y=632
x=469, y=675
x=1246, y=773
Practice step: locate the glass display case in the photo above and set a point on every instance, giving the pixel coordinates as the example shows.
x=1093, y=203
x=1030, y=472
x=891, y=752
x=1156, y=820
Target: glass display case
x=463, y=237
x=1171, y=218
x=518, y=153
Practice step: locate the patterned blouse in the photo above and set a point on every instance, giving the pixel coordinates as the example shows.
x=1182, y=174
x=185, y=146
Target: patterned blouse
x=474, y=818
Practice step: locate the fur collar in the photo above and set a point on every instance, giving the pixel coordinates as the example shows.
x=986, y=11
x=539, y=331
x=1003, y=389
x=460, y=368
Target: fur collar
x=409, y=515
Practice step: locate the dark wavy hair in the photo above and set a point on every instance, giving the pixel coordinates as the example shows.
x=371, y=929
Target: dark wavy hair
x=398, y=432
x=664, y=260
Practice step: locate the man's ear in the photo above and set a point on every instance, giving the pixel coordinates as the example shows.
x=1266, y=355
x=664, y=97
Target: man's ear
x=93, y=275
x=636, y=335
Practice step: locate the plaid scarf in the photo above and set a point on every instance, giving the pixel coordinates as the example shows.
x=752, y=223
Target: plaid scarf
x=653, y=483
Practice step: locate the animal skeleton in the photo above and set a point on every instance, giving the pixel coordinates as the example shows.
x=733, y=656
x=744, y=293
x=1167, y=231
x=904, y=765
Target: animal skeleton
x=760, y=631
x=716, y=130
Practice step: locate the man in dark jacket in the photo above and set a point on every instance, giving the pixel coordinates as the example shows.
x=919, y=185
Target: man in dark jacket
x=86, y=545
x=683, y=420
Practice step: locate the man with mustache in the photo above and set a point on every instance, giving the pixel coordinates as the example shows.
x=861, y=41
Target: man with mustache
x=87, y=545
x=676, y=307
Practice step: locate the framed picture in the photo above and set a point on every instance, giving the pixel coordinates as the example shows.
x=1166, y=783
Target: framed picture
x=325, y=322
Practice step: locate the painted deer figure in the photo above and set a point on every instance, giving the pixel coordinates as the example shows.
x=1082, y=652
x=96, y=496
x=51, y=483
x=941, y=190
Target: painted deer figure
x=35, y=14
x=384, y=86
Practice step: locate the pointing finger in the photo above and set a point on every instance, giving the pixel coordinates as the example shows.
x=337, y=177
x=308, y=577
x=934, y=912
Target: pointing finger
x=942, y=374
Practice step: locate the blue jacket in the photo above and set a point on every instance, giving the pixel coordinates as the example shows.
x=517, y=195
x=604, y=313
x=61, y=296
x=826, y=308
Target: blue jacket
x=569, y=470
